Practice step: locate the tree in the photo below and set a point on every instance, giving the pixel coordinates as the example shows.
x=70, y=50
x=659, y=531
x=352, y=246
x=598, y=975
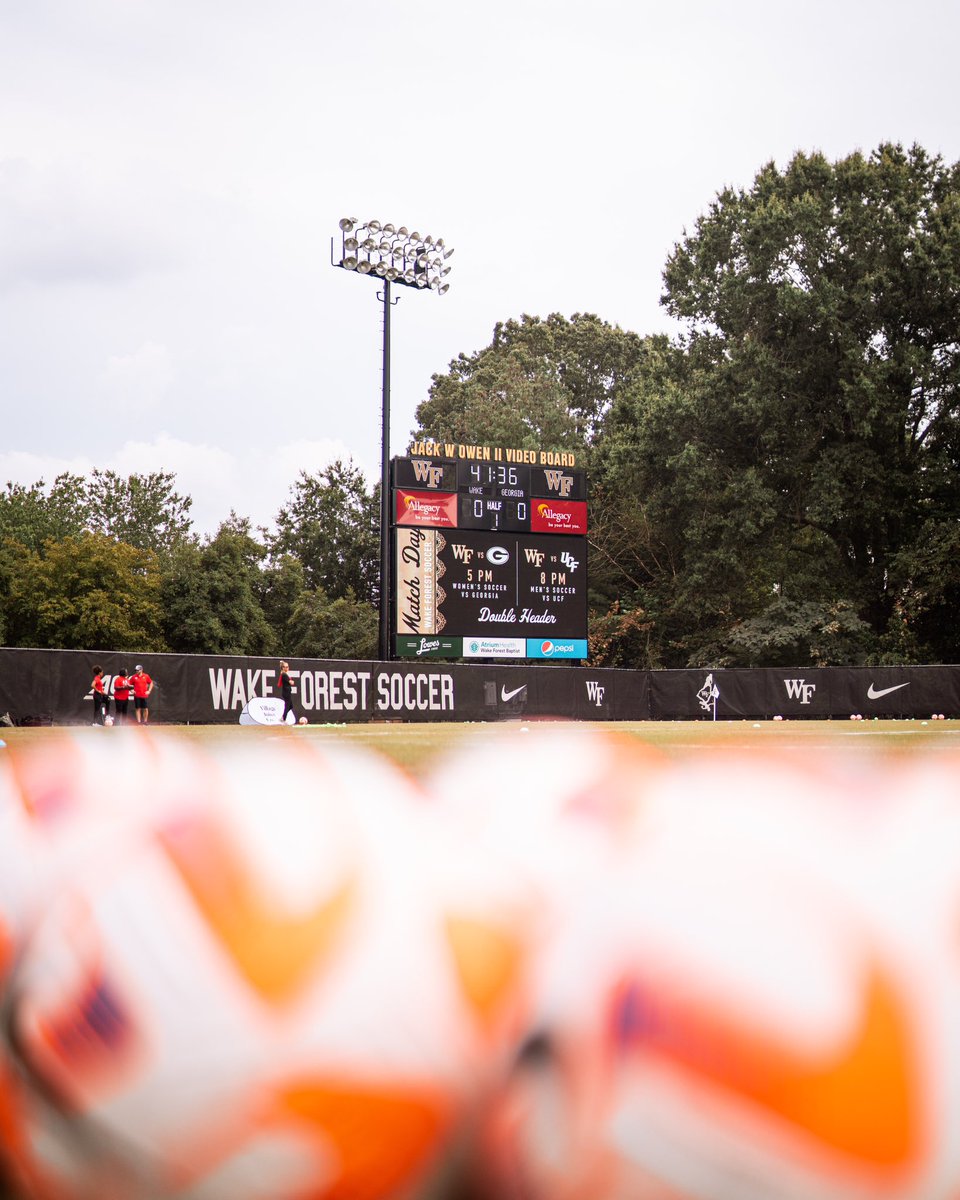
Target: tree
x=342, y=628
x=33, y=516
x=141, y=510
x=539, y=384
x=331, y=525
x=791, y=632
x=282, y=583
x=86, y=592
x=824, y=307
x=680, y=526
x=211, y=595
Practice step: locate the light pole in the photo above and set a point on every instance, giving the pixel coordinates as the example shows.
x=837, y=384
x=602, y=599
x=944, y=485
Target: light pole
x=392, y=254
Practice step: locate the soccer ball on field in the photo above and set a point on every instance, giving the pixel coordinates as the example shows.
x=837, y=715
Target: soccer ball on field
x=272, y=992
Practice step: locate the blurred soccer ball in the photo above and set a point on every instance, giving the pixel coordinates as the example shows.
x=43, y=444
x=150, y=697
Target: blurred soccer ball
x=108, y=720
x=759, y=1004
x=287, y=973
x=251, y=990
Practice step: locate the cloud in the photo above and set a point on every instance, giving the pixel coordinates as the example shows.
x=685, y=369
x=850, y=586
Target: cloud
x=60, y=226
x=254, y=483
x=141, y=378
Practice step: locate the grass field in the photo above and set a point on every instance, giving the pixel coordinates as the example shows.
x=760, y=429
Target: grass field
x=415, y=745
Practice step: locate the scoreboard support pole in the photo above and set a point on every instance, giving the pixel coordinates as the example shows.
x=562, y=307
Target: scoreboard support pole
x=384, y=252
x=386, y=494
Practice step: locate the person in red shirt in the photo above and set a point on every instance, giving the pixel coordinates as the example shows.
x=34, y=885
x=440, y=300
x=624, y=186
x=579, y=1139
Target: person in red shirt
x=121, y=695
x=142, y=686
x=100, y=700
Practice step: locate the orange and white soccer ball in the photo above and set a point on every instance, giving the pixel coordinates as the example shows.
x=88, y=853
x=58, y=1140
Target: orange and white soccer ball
x=272, y=979
x=550, y=807
x=760, y=1003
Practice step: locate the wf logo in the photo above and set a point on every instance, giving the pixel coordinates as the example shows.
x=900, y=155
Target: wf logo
x=426, y=472
x=558, y=482
x=595, y=692
x=799, y=689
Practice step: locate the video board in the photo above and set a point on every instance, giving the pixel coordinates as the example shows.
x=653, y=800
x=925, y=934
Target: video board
x=478, y=566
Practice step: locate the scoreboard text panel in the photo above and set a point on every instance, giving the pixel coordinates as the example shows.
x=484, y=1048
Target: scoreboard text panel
x=465, y=583
x=510, y=497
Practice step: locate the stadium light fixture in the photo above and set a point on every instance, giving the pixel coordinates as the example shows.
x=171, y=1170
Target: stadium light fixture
x=390, y=254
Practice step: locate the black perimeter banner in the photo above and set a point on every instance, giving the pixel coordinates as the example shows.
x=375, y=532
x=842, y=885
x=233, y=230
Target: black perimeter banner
x=54, y=685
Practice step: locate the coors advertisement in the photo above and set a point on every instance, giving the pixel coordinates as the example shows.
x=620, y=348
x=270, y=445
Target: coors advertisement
x=462, y=583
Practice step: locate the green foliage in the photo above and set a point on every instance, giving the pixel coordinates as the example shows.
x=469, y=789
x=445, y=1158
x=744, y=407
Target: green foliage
x=806, y=439
x=621, y=639
x=281, y=585
x=211, y=595
x=33, y=516
x=342, y=628
x=141, y=510
x=331, y=525
x=790, y=633
x=925, y=576
x=538, y=385
x=824, y=305
x=86, y=592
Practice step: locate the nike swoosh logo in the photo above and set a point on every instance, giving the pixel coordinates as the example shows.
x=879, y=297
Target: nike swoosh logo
x=823, y=1094
x=505, y=695
x=875, y=694
x=274, y=949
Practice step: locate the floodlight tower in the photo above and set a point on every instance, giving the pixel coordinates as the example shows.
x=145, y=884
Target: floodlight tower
x=392, y=254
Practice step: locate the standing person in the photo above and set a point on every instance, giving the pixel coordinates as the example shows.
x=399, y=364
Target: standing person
x=121, y=695
x=286, y=691
x=99, y=696
x=142, y=686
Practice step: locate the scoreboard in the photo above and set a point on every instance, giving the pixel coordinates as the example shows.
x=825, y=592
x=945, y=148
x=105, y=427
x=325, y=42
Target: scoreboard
x=478, y=565
x=513, y=497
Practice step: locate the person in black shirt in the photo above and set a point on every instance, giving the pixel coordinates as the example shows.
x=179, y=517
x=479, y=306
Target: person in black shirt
x=286, y=691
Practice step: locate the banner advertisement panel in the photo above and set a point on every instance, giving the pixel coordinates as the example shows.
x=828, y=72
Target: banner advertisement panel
x=558, y=516
x=494, y=647
x=428, y=647
x=557, y=648
x=437, y=509
x=53, y=687
x=416, y=589
x=265, y=710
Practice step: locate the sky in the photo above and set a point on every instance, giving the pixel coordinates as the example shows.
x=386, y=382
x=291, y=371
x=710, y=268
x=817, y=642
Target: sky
x=172, y=173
